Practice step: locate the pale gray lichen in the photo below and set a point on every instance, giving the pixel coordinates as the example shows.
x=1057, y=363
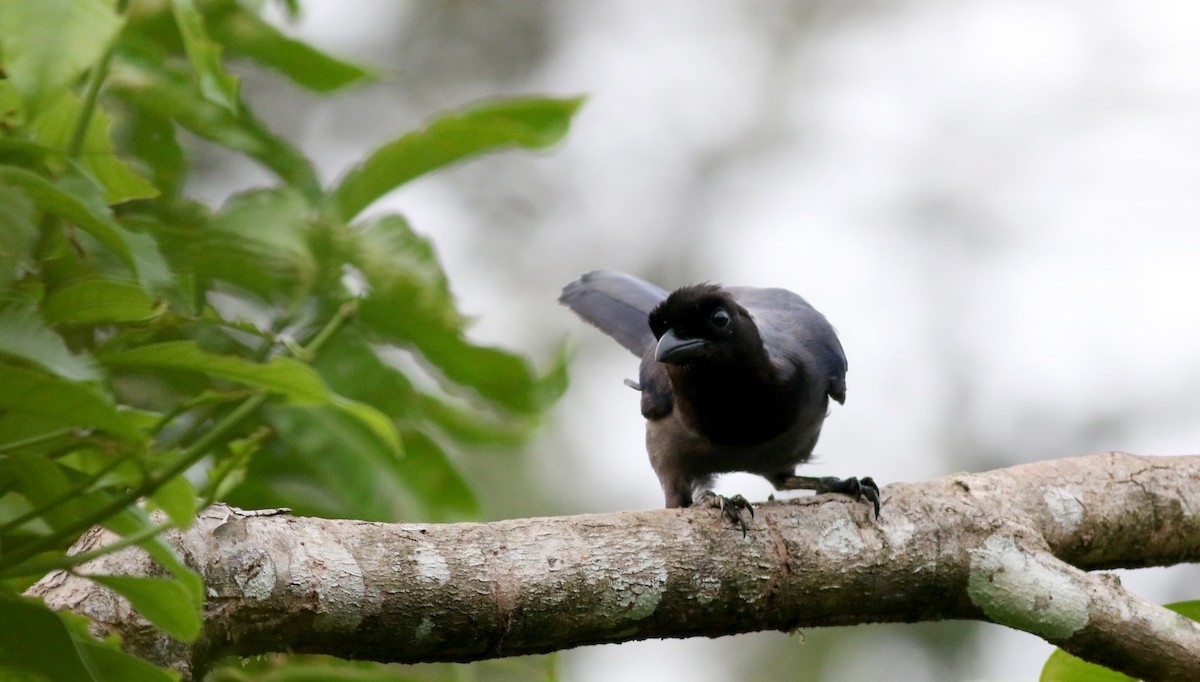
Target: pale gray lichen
x=1064, y=505
x=843, y=537
x=257, y=580
x=636, y=584
x=431, y=565
x=424, y=629
x=706, y=587
x=899, y=530
x=321, y=564
x=1025, y=591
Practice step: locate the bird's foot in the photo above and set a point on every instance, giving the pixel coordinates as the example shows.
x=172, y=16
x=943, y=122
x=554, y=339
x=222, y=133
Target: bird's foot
x=733, y=508
x=859, y=488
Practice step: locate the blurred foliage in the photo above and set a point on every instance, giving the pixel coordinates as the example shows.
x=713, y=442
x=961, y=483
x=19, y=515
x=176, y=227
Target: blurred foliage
x=157, y=354
x=309, y=668
x=1063, y=667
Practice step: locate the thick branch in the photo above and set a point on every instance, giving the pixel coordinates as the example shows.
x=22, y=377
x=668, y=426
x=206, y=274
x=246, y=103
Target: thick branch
x=1011, y=546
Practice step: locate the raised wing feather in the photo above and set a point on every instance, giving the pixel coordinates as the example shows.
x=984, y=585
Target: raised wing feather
x=618, y=304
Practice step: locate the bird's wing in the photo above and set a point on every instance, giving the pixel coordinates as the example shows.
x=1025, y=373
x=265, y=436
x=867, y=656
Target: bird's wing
x=796, y=336
x=618, y=304
x=658, y=400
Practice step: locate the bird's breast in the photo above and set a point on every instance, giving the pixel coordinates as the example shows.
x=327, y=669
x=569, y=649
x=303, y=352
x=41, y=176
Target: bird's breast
x=672, y=440
x=739, y=411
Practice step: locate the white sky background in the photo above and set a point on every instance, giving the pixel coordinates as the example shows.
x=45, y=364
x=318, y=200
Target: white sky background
x=995, y=202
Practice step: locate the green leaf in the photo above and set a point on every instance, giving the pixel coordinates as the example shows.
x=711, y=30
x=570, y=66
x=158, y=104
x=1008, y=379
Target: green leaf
x=59, y=202
x=503, y=378
x=40, y=480
x=17, y=234
x=403, y=270
x=314, y=668
x=59, y=401
x=164, y=602
x=295, y=380
x=114, y=665
x=325, y=463
x=409, y=304
x=97, y=156
x=435, y=482
x=25, y=336
x=1063, y=667
x=41, y=645
x=373, y=419
x=12, y=150
x=78, y=202
x=391, y=254
x=1191, y=609
x=244, y=33
x=152, y=270
x=353, y=369
x=82, y=202
x=177, y=498
x=97, y=301
x=49, y=43
x=530, y=123
x=258, y=242
x=132, y=521
x=473, y=426
x=159, y=92
x=152, y=141
x=216, y=85
x=19, y=431
x=291, y=378
x=229, y=470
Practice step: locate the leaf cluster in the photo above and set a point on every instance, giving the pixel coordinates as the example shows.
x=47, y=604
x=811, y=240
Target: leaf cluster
x=157, y=354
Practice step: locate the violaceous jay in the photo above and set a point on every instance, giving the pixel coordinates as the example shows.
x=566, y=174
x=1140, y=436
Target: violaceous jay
x=732, y=379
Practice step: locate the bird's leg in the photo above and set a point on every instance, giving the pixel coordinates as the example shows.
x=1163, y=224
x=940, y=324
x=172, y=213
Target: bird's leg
x=732, y=508
x=858, y=488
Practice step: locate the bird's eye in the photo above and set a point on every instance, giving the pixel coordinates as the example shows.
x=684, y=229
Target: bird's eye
x=720, y=318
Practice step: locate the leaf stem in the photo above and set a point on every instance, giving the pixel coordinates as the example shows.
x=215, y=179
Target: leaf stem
x=95, y=81
x=345, y=311
x=34, y=440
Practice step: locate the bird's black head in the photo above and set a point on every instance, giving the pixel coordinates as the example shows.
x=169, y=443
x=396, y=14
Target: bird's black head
x=699, y=322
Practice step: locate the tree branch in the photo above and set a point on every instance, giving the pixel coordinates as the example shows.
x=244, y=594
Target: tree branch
x=1011, y=546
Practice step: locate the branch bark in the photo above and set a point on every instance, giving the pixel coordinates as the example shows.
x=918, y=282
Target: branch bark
x=1012, y=546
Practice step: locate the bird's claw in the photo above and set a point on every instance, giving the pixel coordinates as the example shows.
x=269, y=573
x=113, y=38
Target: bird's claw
x=870, y=491
x=859, y=488
x=732, y=508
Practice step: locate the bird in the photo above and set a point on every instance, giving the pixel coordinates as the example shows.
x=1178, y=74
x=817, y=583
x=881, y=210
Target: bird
x=732, y=378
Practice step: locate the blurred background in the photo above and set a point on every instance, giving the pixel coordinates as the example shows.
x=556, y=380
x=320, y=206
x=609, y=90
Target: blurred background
x=995, y=202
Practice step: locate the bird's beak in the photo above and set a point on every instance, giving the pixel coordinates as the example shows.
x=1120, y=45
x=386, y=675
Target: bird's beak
x=673, y=349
